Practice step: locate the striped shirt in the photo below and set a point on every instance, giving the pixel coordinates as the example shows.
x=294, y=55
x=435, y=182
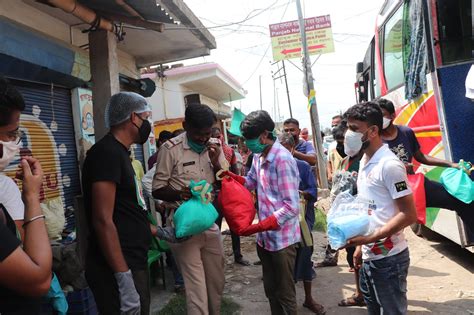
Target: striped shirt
x=276, y=180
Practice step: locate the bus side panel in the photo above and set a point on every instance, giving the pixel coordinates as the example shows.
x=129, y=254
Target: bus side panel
x=459, y=114
x=459, y=111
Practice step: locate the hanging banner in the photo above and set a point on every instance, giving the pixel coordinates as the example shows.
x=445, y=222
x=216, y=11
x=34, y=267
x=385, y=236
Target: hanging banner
x=286, y=38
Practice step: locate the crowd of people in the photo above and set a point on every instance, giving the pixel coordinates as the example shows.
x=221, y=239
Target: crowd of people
x=278, y=169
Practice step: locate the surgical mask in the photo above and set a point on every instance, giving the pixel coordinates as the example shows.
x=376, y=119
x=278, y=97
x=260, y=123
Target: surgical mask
x=255, y=146
x=196, y=147
x=10, y=149
x=353, y=143
x=386, y=123
x=144, y=130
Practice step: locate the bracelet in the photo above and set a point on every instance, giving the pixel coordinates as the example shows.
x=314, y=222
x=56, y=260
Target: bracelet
x=42, y=216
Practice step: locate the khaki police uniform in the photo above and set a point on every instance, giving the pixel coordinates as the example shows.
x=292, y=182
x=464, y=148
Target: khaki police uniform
x=200, y=258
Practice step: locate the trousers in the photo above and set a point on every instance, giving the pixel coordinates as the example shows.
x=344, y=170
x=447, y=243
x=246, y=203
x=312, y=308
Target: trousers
x=201, y=262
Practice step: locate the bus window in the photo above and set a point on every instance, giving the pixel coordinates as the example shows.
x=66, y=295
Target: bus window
x=392, y=52
x=455, y=27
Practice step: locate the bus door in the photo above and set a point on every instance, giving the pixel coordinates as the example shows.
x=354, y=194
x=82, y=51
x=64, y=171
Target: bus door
x=452, y=29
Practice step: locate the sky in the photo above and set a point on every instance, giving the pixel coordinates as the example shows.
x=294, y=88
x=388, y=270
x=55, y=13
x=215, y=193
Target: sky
x=243, y=50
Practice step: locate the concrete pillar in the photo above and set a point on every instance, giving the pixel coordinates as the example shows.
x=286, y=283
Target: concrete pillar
x=105, y=75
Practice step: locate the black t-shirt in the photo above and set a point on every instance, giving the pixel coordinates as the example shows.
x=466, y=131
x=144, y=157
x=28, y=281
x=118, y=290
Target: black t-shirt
x=10, y=301
x=405, y=145
x=108, y=160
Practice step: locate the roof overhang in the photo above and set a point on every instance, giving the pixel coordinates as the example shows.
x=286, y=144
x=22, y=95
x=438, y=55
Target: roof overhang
x=184, y=35
x=208, y=79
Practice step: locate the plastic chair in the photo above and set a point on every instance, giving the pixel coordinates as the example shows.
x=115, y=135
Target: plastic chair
x=155, y=254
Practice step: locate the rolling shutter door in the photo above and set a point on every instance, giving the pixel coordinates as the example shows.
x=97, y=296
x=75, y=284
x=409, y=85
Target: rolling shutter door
x=49, y=136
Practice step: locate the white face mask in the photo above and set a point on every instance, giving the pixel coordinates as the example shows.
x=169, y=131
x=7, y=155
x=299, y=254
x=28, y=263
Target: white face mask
x=352, y=142
x=386, y=123
x=10, y=149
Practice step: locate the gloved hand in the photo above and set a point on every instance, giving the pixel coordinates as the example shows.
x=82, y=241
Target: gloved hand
x=269, y=223
x=129, y=298
x=168, y=234
x=239, y=179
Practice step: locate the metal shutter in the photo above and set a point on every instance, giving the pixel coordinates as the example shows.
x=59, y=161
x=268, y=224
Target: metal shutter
x=49, y=136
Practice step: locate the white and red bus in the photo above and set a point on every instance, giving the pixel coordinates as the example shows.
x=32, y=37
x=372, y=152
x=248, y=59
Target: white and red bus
x=427, y=85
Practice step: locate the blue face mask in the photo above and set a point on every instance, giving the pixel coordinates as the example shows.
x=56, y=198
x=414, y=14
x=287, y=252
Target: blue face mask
x=255, y=146
x=196, y=147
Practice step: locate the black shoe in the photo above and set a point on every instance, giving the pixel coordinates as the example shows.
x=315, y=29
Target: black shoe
x=242, y=262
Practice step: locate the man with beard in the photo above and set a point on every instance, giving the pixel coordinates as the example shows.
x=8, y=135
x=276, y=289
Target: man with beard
x=304, y=150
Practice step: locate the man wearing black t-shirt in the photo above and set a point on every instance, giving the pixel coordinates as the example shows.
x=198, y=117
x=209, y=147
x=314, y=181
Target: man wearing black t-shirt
x=120, y=235
x=403, y=142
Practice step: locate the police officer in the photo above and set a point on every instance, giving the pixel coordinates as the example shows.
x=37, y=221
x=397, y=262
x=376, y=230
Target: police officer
x=191, y=156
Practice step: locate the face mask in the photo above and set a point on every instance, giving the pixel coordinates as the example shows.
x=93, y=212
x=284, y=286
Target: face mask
x=196, y=147
x=10, y=149
x=144, y=130
x=386, y=123
x=255, y=146
x=340, y=150
x=353, y=143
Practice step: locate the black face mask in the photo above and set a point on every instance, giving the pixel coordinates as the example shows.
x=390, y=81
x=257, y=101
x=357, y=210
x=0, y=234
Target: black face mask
x=340, y=150
x=144, y=130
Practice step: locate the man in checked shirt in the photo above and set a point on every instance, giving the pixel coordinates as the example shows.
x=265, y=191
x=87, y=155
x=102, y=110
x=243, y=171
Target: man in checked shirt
x=274, y=175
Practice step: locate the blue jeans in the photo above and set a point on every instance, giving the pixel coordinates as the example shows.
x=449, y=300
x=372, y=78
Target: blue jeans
x=383, y=283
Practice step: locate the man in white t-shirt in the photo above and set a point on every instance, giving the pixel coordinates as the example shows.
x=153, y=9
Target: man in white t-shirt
x=10, y=198
x=383, y=181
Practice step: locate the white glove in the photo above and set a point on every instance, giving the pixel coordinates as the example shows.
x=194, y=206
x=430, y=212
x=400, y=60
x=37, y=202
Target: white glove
x=129, y=298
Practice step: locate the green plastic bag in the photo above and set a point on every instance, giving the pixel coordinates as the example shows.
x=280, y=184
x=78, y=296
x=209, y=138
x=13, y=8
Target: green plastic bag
x=197, y=214
x=458, y=183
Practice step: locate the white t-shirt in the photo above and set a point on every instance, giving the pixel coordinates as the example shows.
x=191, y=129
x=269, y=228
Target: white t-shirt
x=381, y=180
x=10, y=197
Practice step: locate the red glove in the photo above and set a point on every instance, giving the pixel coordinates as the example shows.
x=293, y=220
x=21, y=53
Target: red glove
x=239, y=179
x=269, y=223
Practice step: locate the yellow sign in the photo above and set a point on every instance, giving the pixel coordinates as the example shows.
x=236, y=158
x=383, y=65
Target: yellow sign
x=286, y=38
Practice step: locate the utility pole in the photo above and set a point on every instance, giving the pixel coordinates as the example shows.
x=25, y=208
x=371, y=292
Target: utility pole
x=286, y=81
x=260, y=84
x=287, y=91
x=308, y=75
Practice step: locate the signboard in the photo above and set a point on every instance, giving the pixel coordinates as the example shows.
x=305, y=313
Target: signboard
x=286, y=39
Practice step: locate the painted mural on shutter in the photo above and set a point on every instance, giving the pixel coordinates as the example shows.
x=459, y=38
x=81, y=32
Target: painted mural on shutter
x=48, y=135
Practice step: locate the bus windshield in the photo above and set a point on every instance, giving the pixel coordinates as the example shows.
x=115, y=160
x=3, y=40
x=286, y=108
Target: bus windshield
x=455, y=28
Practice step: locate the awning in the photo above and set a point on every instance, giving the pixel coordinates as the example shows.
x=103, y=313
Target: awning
x=184, y=36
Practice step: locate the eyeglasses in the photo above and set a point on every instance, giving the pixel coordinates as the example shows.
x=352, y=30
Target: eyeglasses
x=15, y=135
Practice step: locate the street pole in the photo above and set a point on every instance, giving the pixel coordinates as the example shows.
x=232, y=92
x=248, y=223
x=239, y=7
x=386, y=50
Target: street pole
x=317, y=139
x=287, y=91
x=260, y=84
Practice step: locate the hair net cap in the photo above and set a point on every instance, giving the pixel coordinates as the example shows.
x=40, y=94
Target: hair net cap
x=122, y=105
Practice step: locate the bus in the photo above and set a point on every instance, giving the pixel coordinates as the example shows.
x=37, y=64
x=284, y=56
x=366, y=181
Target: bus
x=419, y=58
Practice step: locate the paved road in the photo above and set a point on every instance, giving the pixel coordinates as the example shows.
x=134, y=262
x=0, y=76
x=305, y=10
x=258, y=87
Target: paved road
x=441, y=280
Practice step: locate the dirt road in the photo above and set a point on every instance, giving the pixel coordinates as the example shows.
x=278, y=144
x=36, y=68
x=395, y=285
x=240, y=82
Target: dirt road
x=440, y=281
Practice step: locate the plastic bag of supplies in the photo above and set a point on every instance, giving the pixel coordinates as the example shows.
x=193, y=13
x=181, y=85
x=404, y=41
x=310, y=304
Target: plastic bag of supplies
x=347, y=218
x=237, y=205
x=197, y=214
x=458, y=183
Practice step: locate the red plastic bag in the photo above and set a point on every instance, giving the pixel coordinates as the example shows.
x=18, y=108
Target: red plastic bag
x=417, y=184
x=237, y=205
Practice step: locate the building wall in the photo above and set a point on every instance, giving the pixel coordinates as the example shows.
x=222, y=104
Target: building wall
x=49, y=26
x=168, y=100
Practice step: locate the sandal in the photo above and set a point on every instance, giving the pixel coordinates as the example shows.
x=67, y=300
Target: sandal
x=352, y=301
x=315, y=308
x=326, y=263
